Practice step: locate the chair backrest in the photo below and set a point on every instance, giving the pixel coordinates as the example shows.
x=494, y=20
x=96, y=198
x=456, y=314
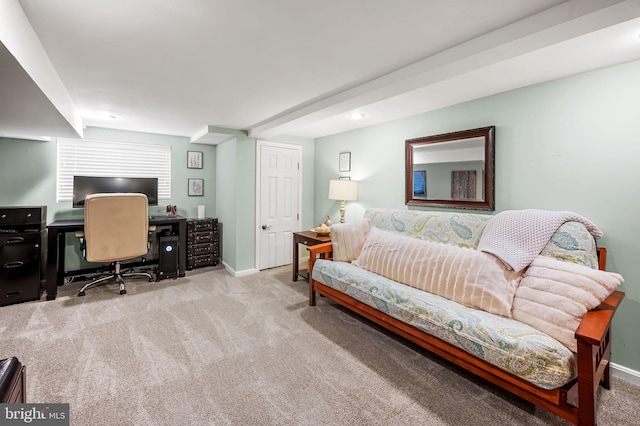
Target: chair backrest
x=116, y=226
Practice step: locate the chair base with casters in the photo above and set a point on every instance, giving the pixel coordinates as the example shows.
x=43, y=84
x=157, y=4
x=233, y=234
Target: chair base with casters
x=118, y=276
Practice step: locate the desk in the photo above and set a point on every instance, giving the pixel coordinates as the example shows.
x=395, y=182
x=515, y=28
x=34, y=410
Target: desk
x=308, y=238
x=55, y=272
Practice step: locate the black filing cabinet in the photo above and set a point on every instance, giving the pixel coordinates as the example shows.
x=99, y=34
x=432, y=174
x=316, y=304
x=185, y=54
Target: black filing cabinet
x=203, y=242
x=23, y=245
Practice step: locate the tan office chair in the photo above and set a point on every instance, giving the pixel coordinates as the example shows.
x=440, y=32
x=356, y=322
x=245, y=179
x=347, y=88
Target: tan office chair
x=116, y=228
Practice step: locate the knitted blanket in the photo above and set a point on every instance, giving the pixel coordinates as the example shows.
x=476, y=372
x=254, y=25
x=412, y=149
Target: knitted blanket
x=516, y=237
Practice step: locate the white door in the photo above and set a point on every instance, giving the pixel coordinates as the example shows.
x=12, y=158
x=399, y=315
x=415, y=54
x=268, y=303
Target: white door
x=279, y=202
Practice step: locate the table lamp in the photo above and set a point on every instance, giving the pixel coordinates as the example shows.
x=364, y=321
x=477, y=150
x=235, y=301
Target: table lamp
x=343, y=190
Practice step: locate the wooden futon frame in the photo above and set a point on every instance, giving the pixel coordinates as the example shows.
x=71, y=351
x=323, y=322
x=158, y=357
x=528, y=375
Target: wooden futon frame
x=594, y=350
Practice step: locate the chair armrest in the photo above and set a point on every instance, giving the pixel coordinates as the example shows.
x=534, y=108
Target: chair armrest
x=79, y=234
x=323, y=250
x=595, y=323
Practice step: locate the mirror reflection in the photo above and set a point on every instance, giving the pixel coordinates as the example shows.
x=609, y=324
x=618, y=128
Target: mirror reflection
x=451, y=170
x=455, y=170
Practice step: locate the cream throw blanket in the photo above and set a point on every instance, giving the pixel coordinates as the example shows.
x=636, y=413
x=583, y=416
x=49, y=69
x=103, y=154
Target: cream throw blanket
x=517, y=236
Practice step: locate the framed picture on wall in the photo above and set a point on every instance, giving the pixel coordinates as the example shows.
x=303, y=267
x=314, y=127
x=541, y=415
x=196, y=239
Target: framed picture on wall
x=196, y=187
x=344, y=162
x=194, y=159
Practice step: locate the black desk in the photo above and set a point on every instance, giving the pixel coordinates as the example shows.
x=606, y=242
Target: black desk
x=56, y=247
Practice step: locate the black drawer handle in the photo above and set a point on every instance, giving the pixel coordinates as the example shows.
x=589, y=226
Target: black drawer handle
x=12, y=265
x=14, y=240
x=13, y=294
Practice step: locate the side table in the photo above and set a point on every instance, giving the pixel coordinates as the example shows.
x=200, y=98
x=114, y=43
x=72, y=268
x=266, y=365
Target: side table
x=308, y=238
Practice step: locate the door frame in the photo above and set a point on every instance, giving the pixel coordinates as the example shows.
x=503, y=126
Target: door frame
x=259, y=145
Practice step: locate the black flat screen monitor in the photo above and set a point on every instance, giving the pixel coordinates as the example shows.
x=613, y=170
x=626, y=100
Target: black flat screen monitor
x=86, y=185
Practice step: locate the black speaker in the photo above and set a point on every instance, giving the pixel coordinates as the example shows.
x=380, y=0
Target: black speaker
x=168, y=257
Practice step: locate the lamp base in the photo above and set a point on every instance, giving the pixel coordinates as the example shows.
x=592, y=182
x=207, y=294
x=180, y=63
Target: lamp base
x=342, y=208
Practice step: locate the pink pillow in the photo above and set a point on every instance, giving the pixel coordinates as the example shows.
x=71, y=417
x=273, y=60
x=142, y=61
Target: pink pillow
x=554, y=296
x=347, y=239
x=466, y=276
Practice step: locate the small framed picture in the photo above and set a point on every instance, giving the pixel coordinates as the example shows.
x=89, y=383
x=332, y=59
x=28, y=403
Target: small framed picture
x=344, y=162
x=194, y=159
x=196, y=187
x=344, y=178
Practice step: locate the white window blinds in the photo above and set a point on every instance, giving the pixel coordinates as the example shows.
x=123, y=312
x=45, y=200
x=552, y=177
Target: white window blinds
x=124, y=159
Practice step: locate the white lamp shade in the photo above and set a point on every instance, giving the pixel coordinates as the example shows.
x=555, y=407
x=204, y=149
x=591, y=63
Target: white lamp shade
x=346, y=190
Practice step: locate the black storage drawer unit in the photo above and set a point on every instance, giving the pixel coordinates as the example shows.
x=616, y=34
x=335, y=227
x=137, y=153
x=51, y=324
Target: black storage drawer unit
x=197, y=225
x=203, y=242
x=22, y=253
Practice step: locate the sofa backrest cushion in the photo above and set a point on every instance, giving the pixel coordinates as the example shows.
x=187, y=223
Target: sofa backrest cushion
x=571, y=242
x=466, y=276
x=553, y=296
x=347, y=239
x=459, y=229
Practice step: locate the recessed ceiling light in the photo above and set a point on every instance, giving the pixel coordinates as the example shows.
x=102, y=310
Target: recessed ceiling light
x=356, y=115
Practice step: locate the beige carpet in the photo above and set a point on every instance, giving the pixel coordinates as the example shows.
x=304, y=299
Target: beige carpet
x=213, y=349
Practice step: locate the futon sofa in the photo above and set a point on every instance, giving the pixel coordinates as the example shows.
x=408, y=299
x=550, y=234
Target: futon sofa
x=520, y=298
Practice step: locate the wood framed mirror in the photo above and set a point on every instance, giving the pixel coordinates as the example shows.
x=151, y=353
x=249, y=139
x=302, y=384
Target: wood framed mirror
x=454, y=170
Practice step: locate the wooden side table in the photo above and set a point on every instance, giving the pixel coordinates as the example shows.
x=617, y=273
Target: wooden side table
x=308, y=238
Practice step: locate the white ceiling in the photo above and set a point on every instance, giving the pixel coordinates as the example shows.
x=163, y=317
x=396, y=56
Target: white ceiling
x=290, y=67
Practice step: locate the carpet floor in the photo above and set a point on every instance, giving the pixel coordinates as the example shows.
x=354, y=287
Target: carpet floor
x=212, y=349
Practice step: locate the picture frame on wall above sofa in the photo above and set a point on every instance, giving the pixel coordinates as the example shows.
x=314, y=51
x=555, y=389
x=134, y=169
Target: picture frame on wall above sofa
x=194, y=159
x=196, y=187
x=344, y=162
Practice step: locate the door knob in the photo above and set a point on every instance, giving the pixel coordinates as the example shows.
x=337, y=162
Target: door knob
x=265, y=227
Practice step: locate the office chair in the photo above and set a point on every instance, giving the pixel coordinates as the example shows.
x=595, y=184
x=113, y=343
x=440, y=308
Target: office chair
x=116, y=228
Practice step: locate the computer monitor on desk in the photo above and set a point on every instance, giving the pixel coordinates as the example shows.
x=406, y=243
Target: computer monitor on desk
x=87, y=185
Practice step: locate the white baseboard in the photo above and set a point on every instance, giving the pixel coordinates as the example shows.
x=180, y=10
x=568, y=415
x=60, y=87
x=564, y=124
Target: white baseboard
x=625, y=373
x=238, y=273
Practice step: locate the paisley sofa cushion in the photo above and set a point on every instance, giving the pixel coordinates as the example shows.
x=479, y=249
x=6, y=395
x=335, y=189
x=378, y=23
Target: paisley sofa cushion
x=508, y=344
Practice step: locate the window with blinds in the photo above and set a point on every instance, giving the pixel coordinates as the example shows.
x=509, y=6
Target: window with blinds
x=99, y=158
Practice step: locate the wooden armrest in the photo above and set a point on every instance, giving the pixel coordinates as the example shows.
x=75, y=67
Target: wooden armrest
x=324, y=250
x=596, y=322
x=319, y=249
x=79, y=234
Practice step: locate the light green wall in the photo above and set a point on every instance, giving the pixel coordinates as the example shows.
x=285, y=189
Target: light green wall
x=28, y=177
x=236, y=202
x=570, y=144
x=226, y=198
